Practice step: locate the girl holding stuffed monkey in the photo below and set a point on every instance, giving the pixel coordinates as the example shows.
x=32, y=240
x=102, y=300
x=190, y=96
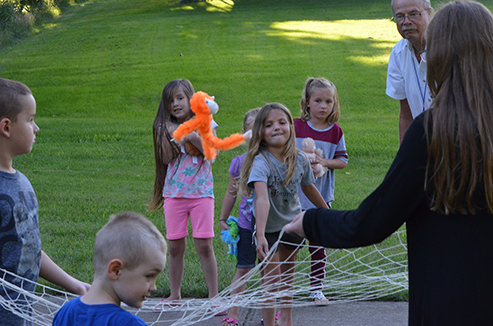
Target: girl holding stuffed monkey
x=320, y=112
x=183, y=186
x=274, y=169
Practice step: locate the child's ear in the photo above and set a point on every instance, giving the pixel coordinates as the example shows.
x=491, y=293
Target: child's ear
x=115, y=268
x=5, y=127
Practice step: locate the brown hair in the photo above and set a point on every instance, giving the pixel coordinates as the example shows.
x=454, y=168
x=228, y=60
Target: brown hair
x=460, y=78
x=257, y=144
x=161, y=134
x=310, y=85
x=9, y=98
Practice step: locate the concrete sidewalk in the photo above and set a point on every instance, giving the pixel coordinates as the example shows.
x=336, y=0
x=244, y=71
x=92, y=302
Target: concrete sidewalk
x=364, y=313
x=341, y=314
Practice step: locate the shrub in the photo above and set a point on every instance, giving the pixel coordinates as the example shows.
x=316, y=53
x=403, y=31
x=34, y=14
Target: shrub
x=7, y=13
x=18, y=16
x=14, y=23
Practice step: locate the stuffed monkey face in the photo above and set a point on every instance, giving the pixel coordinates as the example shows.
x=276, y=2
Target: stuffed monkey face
x=213, y=107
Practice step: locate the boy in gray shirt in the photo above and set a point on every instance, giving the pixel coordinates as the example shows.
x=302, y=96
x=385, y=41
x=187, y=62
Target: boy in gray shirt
x=21, y=256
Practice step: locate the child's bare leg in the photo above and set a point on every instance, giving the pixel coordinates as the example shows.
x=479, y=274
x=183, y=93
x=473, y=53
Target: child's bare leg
x=270, y=281
x=288, y=259
x=208, y=262
x=176, y=265
x=234, y=312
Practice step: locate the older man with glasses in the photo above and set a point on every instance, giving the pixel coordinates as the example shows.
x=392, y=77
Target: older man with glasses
x=406, y=76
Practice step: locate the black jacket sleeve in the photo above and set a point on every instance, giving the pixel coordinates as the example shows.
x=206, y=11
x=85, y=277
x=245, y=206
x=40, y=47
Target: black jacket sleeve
x=398, y=197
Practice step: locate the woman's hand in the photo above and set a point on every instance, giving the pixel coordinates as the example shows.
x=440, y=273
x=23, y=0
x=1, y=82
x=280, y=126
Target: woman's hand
x=296, y=226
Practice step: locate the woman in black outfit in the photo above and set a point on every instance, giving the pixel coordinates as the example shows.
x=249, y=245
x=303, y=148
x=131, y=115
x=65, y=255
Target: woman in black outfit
x=440, y=183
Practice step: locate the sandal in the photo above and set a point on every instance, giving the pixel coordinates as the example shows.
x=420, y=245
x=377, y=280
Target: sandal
x=319, y=298
x=275, y=321
x=230, y=322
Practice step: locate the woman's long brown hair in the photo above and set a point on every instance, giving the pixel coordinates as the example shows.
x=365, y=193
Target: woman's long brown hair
x=460, y=77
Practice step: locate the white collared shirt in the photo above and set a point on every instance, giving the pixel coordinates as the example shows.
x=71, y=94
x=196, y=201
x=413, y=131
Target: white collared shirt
x=406, y=78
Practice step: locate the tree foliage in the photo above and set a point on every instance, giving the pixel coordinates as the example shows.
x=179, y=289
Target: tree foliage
x=18, y=16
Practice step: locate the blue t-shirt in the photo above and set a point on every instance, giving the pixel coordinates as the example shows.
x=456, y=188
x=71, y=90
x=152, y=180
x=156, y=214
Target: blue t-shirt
x=20, y=244
x=77, y=313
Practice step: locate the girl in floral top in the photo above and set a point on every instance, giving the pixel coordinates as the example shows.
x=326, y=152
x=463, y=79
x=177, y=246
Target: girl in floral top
x=183, y=187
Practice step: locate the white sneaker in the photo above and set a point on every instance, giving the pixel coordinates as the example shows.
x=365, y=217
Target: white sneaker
x=319, y=298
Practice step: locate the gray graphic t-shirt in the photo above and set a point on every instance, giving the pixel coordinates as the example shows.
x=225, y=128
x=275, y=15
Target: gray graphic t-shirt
x=284, y=200
x=20, y=243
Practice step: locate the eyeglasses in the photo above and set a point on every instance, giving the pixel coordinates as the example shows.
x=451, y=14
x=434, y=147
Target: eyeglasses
x=414, y=16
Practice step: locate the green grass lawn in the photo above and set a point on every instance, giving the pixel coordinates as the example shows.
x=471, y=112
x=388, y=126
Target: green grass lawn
x=98, y=70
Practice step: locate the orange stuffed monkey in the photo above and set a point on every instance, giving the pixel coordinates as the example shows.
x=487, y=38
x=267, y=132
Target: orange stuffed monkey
x=204, y=107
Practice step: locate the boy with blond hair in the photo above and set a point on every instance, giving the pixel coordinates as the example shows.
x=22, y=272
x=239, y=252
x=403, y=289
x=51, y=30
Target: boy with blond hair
x=129, y=254
x=21, y=255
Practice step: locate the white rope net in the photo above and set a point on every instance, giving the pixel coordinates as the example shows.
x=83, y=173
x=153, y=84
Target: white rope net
x=369, y=273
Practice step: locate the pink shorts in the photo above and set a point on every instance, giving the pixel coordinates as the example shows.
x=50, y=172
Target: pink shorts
x=200, y=211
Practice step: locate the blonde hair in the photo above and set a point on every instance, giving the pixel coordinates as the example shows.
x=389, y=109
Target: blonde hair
x=460, y=78
x=310, y=85
x=249, y=119
x=160, y=134
x=257, y=145
x=126, y=236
